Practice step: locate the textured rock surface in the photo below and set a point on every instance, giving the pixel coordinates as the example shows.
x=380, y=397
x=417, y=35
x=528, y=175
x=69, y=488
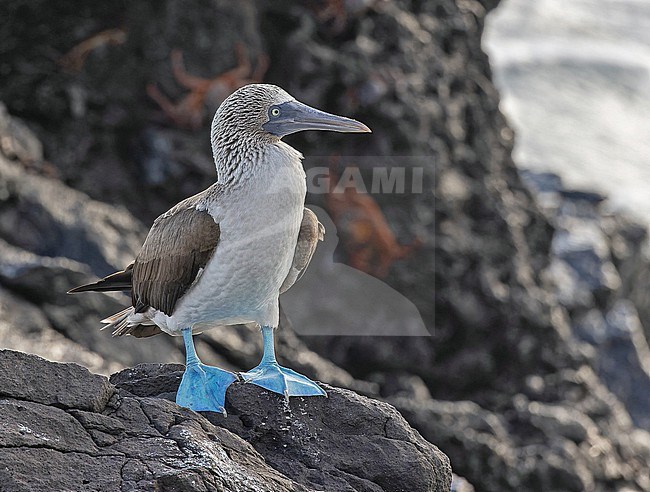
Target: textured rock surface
x=585, y=442
x=64, y=428
x=590, y=261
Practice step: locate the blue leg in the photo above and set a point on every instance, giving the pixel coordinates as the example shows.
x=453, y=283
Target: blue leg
x=203, y=388
x=270, y=375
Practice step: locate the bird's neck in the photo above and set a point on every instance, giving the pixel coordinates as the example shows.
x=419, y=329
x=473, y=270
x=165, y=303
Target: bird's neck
x=235, y=159
x=239, y=159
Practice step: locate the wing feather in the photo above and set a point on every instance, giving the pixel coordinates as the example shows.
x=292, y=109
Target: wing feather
x=118, y=281
x=177, y=248
x=311, y=231
x=179, y=244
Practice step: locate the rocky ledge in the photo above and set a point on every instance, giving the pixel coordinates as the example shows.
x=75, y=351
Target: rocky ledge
x=64, y=428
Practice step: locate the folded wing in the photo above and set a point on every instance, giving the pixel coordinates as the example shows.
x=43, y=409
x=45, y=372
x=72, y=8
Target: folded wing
x=311, y=231
x=177, y=248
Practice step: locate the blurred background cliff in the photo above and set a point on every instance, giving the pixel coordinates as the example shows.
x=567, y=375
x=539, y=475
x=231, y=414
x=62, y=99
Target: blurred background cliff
x=532, y=287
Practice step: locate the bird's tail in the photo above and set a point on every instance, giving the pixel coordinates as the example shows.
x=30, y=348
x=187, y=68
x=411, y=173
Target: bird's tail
x=119, y=281
x=119, y=322
x=128, y=322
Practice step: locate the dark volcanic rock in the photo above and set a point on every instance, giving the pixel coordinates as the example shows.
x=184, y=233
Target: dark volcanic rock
x=23, y=376
x=590, y=267
x=315, y=441
x=585, y=442
x=64, y=428
x=101, y=102
x=621, y=356
x=25, y=327
x=78, y=228
x=320, y=439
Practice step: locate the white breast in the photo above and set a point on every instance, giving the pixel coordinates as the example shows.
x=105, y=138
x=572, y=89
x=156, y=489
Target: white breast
x=259, y=221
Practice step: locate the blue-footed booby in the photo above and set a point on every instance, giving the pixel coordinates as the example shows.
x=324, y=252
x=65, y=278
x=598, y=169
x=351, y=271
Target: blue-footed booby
x=224, y=256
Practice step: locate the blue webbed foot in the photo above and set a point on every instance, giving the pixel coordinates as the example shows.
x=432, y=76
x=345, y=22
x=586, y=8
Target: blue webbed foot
x=203, y=388
x=287, y=382
x=272, y=376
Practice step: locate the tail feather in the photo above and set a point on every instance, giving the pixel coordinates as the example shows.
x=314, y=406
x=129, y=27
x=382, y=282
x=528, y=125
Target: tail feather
x=129, y=322
x=118, y=321
x=118, y=281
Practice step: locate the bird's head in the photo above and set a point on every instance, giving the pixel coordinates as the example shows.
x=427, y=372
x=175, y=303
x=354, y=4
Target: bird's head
x=265, y=110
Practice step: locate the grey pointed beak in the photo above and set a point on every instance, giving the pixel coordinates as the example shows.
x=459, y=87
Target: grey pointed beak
x=294, y=116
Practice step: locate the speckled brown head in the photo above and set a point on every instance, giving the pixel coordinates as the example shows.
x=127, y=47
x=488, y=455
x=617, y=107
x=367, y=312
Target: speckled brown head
x=268, y=112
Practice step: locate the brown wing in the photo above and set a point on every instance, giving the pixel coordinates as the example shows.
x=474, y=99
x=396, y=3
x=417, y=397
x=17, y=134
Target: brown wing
x=178, y=246
x=311, y=231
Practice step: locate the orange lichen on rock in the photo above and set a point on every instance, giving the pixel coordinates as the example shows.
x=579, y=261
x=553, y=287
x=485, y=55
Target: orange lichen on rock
x=188, y=112
x=74, y=59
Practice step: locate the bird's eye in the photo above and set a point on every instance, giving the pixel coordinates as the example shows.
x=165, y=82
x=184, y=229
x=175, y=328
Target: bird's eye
x=275, y=112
